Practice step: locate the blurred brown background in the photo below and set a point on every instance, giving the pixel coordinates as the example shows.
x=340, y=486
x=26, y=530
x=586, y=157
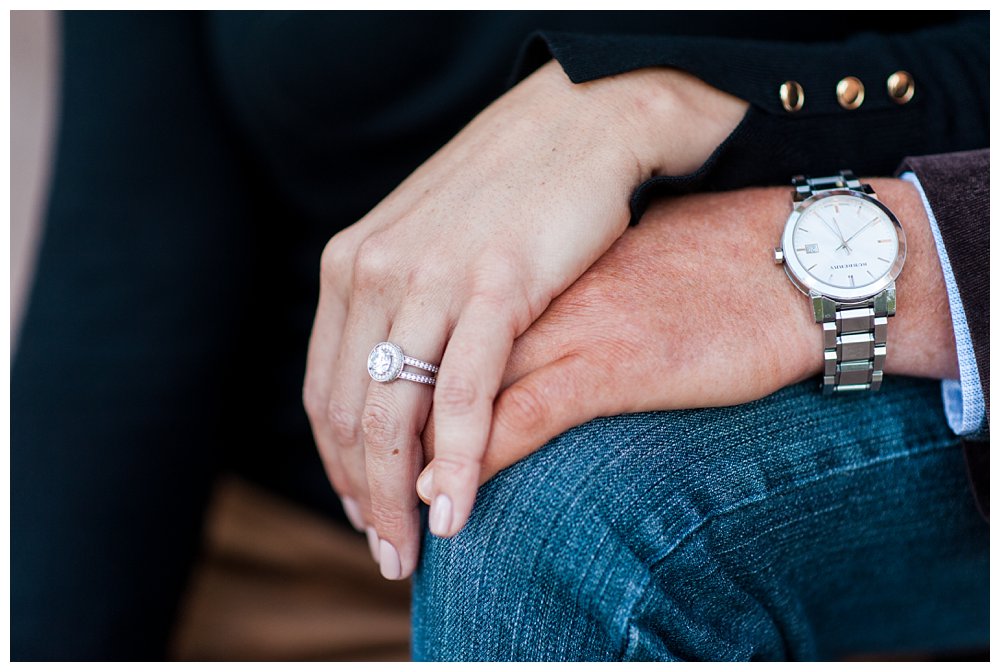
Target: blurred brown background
x=275, y=582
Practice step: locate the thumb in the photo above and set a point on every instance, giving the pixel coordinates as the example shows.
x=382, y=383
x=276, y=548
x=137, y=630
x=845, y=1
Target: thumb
x=540, y=406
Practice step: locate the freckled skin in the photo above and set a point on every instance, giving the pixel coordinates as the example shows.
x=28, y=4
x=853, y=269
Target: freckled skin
x=463, y=256
x=688, y=310
x=496, y=236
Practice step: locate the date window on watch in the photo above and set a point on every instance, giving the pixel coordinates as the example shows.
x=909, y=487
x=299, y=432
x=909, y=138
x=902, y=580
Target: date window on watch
x=812, y=248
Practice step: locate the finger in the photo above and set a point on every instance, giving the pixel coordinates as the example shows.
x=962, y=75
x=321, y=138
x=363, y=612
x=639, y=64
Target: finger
x=463, y=408
x=327, y=327
x=393, y=417
x=542, y=405
x=366, y=325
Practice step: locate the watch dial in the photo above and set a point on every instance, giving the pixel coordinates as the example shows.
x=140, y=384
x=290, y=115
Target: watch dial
x=845, y=241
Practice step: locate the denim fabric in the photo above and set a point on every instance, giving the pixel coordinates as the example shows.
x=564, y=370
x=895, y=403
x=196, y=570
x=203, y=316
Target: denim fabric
x=795, y=527
x=964, y=401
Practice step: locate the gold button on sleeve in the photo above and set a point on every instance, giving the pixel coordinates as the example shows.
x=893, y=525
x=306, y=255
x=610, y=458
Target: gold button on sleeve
x=850, y=93
x=900, y=86
x=792, y=96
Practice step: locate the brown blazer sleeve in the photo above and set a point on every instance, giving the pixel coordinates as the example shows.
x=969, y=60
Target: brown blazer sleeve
x=958, y=189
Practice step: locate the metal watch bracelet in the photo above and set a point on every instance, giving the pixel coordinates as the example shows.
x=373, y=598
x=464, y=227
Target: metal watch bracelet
x=854, y=333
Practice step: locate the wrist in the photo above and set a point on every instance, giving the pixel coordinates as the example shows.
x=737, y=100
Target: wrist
x=667, y=121
x=675, y=119
x=921, y=335
x=921, y=340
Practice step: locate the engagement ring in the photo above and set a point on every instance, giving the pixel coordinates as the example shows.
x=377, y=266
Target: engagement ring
x=386, y=361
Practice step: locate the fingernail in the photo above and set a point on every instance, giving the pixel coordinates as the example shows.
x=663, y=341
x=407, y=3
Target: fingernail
x=424, y=485
x=353, y=512
x=440, y=518
x=389, y=561
x=372, y=542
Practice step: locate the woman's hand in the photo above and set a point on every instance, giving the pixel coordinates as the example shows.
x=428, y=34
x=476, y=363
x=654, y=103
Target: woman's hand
x=460, y=259
x=687, y=310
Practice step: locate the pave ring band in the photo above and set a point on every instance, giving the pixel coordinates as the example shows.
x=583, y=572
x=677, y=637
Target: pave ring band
x=386, y=361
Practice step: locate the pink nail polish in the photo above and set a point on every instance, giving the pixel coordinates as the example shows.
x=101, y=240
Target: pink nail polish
x=389, y=561
x=441, y=514
x=372, y=543
x=353, y=512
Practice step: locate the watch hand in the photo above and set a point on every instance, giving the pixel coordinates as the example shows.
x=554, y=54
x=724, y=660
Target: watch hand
x=837, y=224
x=845, y=242
x=835, y=231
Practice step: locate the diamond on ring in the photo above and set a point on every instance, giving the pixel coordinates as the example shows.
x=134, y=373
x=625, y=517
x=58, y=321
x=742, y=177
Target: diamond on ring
x=386, y=361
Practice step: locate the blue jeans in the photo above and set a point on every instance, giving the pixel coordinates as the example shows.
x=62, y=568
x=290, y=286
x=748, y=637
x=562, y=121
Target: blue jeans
x=796, y=527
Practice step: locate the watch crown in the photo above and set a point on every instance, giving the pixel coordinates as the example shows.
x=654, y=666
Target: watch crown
x=779, y=256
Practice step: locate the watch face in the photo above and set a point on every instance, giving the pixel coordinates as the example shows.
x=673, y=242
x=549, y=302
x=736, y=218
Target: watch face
x=843, y=245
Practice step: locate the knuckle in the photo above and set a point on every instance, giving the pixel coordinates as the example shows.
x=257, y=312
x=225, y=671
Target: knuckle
x=493, y=290
x=344, y=424
x=389, y=517
x=501, y=268
x=455, y=466
x=490, y=295
x=427, y=282
x=525, y=408
x=380, y=423
x=374, y=260
x=508, y=299
x=456, y=394
x=335, y=259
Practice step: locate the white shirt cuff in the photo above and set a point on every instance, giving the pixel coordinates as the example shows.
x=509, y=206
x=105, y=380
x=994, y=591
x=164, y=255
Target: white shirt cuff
x=964, y=402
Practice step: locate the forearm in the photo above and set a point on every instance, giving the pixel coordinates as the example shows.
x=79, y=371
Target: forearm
x=669, y=121
x=687, y=311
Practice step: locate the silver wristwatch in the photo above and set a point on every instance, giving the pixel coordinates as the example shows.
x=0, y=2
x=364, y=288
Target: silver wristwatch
x=844, y=249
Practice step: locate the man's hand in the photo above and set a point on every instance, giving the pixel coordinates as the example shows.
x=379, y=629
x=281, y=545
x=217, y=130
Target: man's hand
x=687, y=310
x=460, y=259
